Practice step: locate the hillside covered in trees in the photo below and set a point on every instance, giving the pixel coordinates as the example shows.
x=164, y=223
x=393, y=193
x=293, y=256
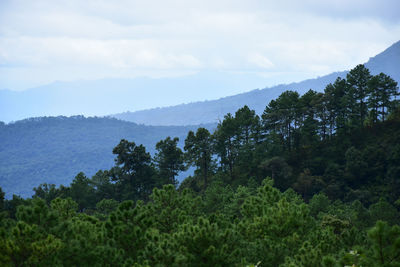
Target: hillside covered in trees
x=332, y=196
x=54, y=149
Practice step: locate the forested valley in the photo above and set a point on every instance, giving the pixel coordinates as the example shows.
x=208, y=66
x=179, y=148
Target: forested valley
x=313, y=181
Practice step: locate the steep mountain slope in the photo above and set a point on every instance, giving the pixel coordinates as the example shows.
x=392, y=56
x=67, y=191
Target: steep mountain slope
x=387, y=62
x=55, y=149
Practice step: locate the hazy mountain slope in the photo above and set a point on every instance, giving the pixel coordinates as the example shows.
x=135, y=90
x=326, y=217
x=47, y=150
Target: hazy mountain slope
x=55, y=149
x=113, y=95
x=387, y=62
x=211, y=111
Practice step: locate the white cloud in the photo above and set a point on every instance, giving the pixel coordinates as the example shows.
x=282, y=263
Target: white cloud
x=128, y=38
x=39, y=52
x=260, y=61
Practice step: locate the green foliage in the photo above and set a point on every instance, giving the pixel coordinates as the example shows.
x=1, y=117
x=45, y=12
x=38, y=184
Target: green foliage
x=335, y=156
x=105, y=206
x=134, y=173
x=218, y=197
x=64, y=208
x=48, y=192
x=199, y=150
x=319, y=204
x=27, y=246
x=385, y=244
x=82, y=192
x=355, y=165
x=220, y=227
x=205, y=244
x=279, y=170
x=169, y=159
x=53, y=150
x=171, y=209
x=382, y=210
x=358, y=79
x=1, y=200
x=127, y=226
x=272, y=225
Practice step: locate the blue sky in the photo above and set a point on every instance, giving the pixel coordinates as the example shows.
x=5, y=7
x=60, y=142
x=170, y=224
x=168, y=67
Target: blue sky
x=43, y=41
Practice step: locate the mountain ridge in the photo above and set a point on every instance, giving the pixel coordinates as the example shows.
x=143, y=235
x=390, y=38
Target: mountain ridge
x=112, y=95
x=167, y=116
x=210, y=111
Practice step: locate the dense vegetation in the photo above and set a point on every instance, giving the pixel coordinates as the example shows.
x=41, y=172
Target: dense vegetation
x=54, y=149
x=332, y=199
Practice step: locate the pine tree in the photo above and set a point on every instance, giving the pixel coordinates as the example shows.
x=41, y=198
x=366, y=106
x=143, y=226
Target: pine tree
x=169, y=159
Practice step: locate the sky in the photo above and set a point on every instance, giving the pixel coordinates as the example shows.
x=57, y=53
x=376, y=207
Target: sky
x=43, y=41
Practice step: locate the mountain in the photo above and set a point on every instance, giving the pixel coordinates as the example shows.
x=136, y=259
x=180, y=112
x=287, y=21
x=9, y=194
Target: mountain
x=55, y=149
x=387, y=62
x=114, y=95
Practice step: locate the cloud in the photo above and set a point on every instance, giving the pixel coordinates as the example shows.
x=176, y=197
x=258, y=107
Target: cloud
x=260, y=61
x=386, y=11
x=130, y=38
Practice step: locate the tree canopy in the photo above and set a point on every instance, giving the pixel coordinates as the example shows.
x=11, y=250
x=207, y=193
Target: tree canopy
x=314, y=181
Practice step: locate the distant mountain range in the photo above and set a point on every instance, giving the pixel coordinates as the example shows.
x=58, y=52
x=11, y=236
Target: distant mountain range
x=387, y=62
x=114, y=95
x=55, y=149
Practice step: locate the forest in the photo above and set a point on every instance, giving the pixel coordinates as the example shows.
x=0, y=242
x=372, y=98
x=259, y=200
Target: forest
x=54, y=149
x=313, y=181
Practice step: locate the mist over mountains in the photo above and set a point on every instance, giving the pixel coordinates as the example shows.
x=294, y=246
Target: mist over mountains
x=387, y=62
x=113, y=95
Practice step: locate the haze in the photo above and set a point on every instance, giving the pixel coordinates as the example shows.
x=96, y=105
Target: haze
x=262, y=43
